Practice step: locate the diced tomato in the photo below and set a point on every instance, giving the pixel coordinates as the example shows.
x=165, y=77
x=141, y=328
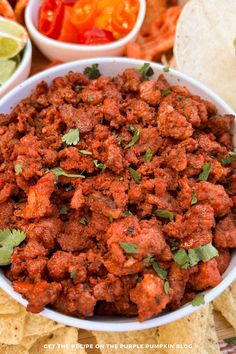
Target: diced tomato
x=84, y=14
x=97, y=36
x=51, y=18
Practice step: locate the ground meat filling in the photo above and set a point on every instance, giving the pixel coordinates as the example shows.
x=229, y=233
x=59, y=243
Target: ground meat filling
x=111, y=179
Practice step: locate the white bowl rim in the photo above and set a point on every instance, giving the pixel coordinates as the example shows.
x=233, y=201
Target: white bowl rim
x=85, y=47
x=120, y=325
x=20, y=68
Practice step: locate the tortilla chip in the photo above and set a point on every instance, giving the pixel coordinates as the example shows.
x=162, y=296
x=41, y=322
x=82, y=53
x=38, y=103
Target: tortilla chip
x=67, y=335
x=211, y=345
x=39, y=325
x=12, y=327
x=211, y=25
x=28, y=341
x=226, y=304
x=12, y=349
x=7, y=304
x=187, y=330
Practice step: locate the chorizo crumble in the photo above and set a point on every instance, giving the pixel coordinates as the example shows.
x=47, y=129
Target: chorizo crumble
x=124, y=189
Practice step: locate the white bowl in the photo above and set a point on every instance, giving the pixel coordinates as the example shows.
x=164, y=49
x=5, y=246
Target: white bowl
x=21, y=73
x=111, y=67
x=56, y=50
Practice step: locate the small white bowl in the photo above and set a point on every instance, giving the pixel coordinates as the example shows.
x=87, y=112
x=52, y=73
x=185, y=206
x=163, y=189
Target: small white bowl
x=112, y=67
x=21, y=73
x=62, y=51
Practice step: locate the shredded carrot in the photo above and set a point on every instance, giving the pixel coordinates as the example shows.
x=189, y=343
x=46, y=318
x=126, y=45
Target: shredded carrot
x=160, y=38
x=6, y=10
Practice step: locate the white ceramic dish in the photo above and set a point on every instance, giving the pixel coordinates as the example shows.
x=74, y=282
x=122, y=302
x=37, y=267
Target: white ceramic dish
x=21, y=73
x=55, y=50
x=111, y=67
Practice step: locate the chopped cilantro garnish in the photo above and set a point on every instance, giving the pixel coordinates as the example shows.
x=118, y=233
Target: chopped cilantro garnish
x=60, y=172
x=78, y=88
x=99, y=165
x=72, y=137
x=206, y=169
x=174, y=246
x=229, y=159
x=90, y=98
x=148, y=259
x=63, y=210
x=85, y=152
x=73, y=275
x=18, y=169
x=193, y=256
x=130, y=248
x=136, y=176
x=165, y=92
x=148, y=155
x=8, y=240
x=127, y=213
x=138, y=279
x=134, y=139
x=146, y=71
x=161, y=272
x=194, y=198
x=83, y=221
x=166, y=69
x=198, y=300
x=92, y=72
x=163, y=213
x=184, y=103
x=167, y=287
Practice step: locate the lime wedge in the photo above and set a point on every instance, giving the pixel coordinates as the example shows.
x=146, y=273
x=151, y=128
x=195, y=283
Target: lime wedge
x=9, y=47
x=13, y=29
x=6, y=70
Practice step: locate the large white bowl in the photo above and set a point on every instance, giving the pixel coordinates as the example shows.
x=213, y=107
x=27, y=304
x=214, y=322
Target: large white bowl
x=111, y=67
x=56, y=50
x=21, y=73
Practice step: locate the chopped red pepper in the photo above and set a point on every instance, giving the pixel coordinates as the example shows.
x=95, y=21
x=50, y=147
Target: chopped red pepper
x=98, y=36
x=51, y=18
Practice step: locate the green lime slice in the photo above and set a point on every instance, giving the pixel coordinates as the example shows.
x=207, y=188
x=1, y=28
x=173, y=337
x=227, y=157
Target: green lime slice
x=6, y=70
x=9, y=47
x=13, y=29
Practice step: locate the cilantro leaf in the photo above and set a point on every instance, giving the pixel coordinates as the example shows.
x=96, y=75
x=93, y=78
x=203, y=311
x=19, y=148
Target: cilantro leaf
x=184, y=103
x=136, y=176
x=99, y=165
x=8, y=240
x=181, y=258
x=60, y=172
x=72, y=137
x=18, y=169
x=165, y=92
x=161, y=272
x=166, y=69
x=167, y=287
x=148, y=155
x=63, y=210
x=78, y=88
x=194, y=198
x=163, y=213
x=83, y=221
x=127, y=213
x=231, y=340
x=148, y=259
x=92, y=72
x=146, y=71
x=85, y=152
x=198, y=300
x=130, y=248
x=229, y=159
x=193, y=256
x=134, y=139
x=174, y=246
x=139, y=279
x=206, y=169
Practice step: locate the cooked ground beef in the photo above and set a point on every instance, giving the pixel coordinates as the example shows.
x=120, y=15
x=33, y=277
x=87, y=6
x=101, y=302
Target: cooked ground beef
x=153, y=184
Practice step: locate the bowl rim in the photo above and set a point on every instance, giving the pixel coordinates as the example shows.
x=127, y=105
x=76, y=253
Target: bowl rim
x=27, y=55
x=122, y=324
x=83, y=47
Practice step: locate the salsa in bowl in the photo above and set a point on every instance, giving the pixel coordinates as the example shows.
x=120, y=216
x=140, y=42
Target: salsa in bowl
x=118, y=195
